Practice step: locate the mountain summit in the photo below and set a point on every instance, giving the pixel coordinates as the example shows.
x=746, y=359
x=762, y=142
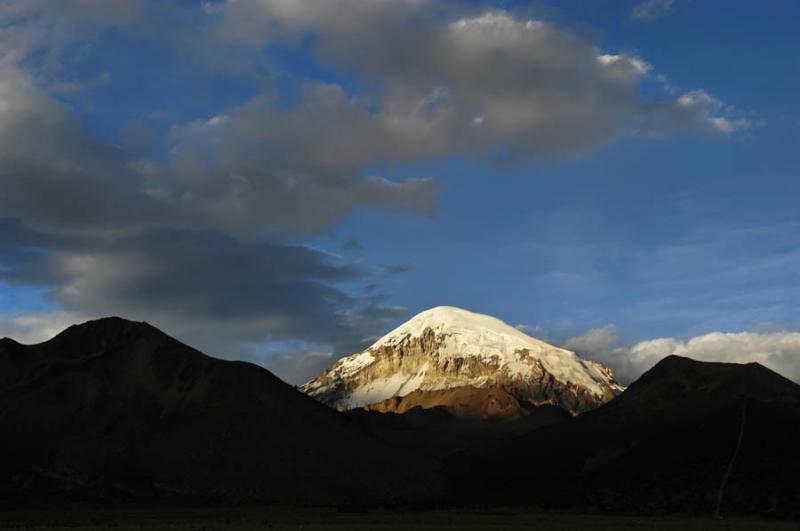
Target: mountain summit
x=114, y=410
x=447, y=348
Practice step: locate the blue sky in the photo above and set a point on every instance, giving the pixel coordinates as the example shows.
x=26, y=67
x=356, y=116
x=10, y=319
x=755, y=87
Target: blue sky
x=668, y=211
x=674, y=226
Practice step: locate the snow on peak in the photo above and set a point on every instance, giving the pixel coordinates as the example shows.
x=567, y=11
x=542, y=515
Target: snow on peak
x=465, y=333
x=507, y=353
x=452, y=320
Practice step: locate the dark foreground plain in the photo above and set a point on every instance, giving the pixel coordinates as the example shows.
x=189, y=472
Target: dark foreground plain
x=313, y=519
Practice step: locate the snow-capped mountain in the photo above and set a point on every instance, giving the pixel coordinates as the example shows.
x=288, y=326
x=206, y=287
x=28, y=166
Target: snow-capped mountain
x=447, y=348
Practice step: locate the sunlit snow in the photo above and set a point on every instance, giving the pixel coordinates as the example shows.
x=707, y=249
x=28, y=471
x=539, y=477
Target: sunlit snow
x=464, y=334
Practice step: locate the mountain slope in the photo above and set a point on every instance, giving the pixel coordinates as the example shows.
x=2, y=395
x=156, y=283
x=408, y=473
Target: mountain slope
x=113, y=409
x=462, y=402
x=446, y=348
x=686, y=437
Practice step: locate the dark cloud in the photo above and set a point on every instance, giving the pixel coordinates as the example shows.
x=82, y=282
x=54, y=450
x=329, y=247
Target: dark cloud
x=110, y=235
x=457, y=80
x=180, y=241
x=352, y=245
x=370, y=288
x=300, y=168
x=400, y=268
x=56, y=175
x=207, y=287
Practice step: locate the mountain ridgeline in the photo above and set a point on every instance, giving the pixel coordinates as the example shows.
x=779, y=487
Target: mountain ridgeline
x=687, y=437
x=451, y=409
x=117, y=410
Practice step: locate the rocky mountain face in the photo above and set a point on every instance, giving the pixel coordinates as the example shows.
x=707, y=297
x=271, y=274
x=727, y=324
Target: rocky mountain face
x=464, y=402
x=444, y=349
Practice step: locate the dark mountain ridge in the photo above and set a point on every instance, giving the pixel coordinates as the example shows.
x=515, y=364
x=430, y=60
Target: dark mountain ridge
x=676, y=381
x=687, y=437
x=113, y=409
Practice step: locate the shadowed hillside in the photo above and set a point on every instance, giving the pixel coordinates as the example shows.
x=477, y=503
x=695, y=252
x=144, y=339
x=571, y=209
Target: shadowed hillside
x=687, y=437
x=116, y=410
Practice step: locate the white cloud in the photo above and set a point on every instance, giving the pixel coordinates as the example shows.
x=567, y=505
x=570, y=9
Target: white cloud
x=702, y=111
x=779, y=351
x=595, y=340
x=444, y=70
x=638, y=64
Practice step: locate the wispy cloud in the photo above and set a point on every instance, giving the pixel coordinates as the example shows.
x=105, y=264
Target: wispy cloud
x=649, y=10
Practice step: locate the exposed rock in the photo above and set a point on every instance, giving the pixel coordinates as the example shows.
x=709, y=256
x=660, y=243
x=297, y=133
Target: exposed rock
x=463, y=402
x=447, y=348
